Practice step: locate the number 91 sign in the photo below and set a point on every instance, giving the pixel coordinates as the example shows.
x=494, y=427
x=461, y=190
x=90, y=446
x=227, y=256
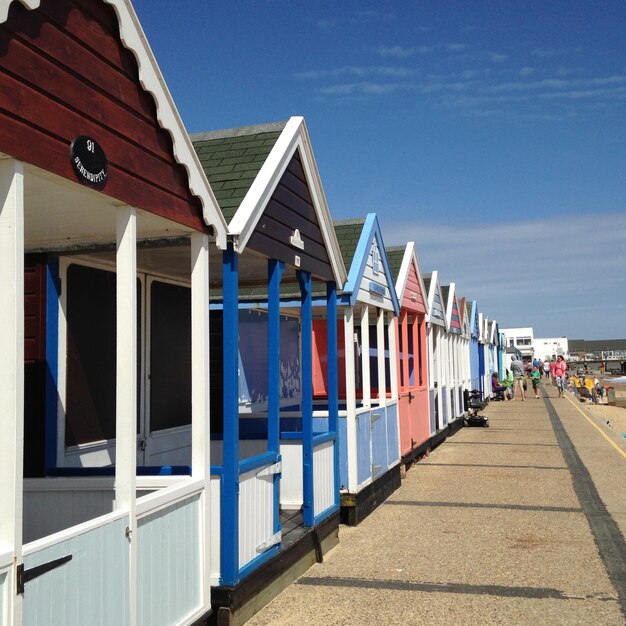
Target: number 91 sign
x=89, y=162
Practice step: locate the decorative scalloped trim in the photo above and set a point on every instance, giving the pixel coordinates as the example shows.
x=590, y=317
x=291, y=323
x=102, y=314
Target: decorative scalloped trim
x=6, y=4
x=150, y=77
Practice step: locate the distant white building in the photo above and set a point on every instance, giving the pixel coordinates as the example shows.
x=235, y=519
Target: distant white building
x=550, y=347
x=520, y=338
x=532, y=347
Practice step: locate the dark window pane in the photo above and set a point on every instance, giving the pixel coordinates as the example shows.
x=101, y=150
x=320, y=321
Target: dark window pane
x=170, y=356
x=90, y=413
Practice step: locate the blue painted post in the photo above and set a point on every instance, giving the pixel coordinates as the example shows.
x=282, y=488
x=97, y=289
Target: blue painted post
x=306, y=289
x=229, y=514
x=275, y=272
x=333, y=377
x=52, y=360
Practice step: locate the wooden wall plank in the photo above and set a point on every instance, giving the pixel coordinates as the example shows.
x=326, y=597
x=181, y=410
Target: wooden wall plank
x=64, y=72
x=291, y=207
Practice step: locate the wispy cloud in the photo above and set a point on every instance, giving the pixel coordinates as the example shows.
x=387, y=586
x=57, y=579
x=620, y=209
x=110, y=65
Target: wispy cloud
x=527, y=266
x=360, y=72
x=400, y=52
x=495, y=57
x=546, y=53
x=354, y=19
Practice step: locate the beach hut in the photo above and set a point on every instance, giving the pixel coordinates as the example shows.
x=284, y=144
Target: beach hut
x=412, y=364
x=493, y=351
x=277, y=467
x=483, y=356
x=475, y=350
x=453, y=321
x=501, y=352
x=437, y=341
x=465, y=345
x=368, y=419
x=106, y=226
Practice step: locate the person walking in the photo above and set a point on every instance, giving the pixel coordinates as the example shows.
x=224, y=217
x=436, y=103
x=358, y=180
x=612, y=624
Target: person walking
x=552, y=367
x=560, y=370
x=517, y=368
x=546, y=369
x=535, y=378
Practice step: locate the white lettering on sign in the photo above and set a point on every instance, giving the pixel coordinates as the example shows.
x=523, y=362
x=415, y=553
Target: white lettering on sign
x=92, y=178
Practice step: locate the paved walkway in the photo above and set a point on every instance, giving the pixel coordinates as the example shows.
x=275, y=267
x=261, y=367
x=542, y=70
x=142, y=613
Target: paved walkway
x=520, y=523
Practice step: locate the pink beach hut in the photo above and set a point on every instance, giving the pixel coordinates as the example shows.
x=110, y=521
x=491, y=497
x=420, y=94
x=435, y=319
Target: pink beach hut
x=412, y=360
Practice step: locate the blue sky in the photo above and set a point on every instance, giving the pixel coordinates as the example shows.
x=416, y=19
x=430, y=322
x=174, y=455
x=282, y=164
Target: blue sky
x=493, y=134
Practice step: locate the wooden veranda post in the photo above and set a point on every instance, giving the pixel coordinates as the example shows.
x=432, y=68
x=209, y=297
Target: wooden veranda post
x=12, y=369
x=126, y=387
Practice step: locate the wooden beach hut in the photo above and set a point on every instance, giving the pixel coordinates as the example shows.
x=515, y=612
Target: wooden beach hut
x=412, y=362
x=106, y=226
x=483, y=356
x=437, y=341
x=369, y=452
x=492, y=328
x=465, y=344
x=277, y=466
x=453, y=321
x=501, y=352
x=475, y=350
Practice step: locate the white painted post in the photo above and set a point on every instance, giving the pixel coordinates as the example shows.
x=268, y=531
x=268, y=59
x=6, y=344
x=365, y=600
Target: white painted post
x=12, y=369
x=348, y=326
x=393, y=357
x=200, y=404
x=380, y=341
x=126, y=387
x=365, y=356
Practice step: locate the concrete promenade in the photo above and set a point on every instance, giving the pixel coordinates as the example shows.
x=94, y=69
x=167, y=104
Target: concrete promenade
x=520, y=523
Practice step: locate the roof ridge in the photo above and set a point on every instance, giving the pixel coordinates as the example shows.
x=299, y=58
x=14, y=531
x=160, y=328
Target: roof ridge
x=240, y=131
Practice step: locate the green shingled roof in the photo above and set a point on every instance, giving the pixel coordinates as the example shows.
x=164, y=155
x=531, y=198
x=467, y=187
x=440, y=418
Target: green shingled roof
x=395, y=254
x=232, y=159
x=348, y=233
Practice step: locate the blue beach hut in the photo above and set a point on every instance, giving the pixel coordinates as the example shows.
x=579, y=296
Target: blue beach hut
x=368, y=385
x=276, y=470
x=474, y=347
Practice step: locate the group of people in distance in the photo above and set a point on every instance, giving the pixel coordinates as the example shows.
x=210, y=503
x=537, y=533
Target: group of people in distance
x=516, y=377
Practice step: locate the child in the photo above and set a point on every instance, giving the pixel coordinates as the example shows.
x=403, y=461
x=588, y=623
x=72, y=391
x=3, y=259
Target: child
x=535, y=376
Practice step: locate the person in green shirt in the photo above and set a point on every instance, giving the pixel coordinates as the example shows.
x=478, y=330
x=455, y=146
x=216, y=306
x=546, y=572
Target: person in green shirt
x=535, y=377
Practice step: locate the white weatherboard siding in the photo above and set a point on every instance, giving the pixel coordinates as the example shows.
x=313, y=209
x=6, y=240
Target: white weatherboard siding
x=92, y=588
x=256, y=514
x=323, y=477
x=291, y=482
x=169, y=573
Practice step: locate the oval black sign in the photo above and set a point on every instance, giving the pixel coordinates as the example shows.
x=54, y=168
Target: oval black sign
x=89, y=162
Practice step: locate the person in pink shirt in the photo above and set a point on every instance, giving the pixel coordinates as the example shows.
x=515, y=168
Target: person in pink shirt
x=560, y=369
